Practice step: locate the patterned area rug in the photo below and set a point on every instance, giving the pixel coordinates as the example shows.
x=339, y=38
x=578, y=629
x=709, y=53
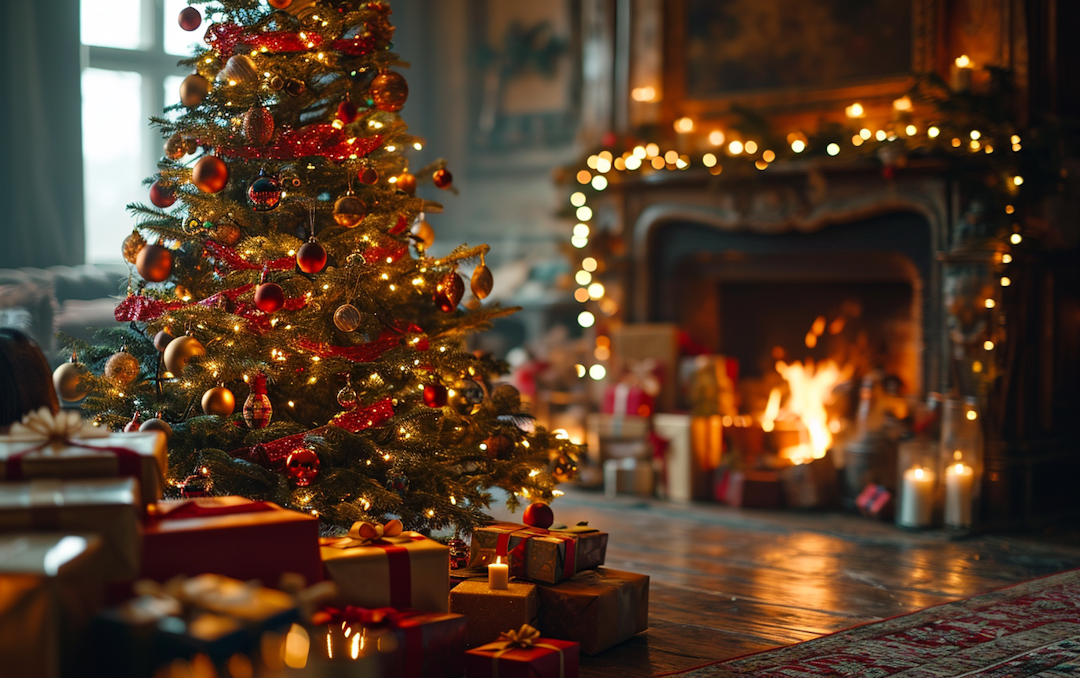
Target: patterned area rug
x=1031, y=629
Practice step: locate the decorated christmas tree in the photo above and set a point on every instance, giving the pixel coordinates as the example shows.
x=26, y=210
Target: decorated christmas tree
x=285, y=321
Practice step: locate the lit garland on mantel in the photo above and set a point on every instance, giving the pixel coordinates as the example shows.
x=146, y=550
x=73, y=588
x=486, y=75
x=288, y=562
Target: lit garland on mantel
x=970, y=132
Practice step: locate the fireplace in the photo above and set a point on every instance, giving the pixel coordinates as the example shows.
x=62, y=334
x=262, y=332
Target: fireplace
x=799, y=271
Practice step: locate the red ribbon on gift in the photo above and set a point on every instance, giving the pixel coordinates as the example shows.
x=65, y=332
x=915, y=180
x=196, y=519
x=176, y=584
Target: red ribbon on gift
x=517, y=554
x=128, y=462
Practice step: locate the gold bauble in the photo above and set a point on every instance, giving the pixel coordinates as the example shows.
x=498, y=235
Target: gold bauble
x=425, y=233
x=227, y=234
x=179, y=351
x=122, y=368
x=174, y=147
x=349, y=211
x=68, y=380
x=347, y=318
x=193, y=90
x=482, y=281
x=239, y=70
x=406, y=183
x=219, y=400
x=132, y=244
x=389, y=91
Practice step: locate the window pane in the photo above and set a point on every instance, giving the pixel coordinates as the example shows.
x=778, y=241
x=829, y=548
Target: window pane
x=113, y=127
x=177, y=40
x=117, y=23
x=172, y=95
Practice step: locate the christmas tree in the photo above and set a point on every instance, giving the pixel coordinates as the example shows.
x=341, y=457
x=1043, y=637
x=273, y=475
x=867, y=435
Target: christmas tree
x=284, y=264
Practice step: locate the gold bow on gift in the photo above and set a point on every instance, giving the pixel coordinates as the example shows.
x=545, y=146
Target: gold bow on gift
x=42, y=426
x=523, y=639
x=368, y=532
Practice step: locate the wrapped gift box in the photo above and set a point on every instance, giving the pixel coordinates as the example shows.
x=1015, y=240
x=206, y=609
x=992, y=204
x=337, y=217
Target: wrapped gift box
x=693, y=451
x=405, y=643
x=231, y=536
x=405, y=571
x=749, y=489
x=515, y=656
x=538, y=554
x=492, y=611
x=625, y=398
x=610, y=436
x=108, y=507
x=50, y=585
x=629, y=476
x=599, y=608
x=209, y=615
x=142, y=455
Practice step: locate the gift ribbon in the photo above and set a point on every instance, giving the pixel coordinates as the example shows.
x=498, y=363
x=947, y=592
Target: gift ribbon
x=523, y=639
x=517, y=554
x=204, y=508
x=56, y=430
x=397, y=554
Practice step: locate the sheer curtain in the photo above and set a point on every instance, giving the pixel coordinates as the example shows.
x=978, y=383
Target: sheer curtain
x=41, y=194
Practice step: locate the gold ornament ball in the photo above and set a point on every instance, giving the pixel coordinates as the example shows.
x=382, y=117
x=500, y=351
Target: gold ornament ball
x=219, y=400
x=174, y=147
x=227, y=234
x=389, y=91
x=481, y=282
x=349, y=211
x=406, y=183
x=122, y=368
x=68, y=380
x=210, y=174
x=240, y=70
x=193, y=90
x=347, y=318
x=179, y=351
x=425, y=233
x=132, y=245
x=154, y=263
x=279, y=4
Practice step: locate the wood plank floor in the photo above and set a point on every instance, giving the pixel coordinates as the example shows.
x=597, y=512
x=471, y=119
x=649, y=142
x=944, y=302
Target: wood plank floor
x=727, y=582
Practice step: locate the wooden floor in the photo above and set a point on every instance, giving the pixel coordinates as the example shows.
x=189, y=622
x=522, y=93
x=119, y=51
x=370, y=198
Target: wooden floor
x=727, y=582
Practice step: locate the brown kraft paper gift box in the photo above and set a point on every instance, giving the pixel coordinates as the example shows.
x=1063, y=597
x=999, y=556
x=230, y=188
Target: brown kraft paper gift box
x=493, y=611
x=598, y=608
x=537, y=554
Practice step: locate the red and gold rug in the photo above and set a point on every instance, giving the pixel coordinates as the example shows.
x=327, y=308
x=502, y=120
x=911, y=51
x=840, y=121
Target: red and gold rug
x=1031, y=629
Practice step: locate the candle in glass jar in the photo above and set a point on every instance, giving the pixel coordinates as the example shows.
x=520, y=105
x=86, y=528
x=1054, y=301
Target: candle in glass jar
x=959, y=492
x=916, y=497
x=499, y=575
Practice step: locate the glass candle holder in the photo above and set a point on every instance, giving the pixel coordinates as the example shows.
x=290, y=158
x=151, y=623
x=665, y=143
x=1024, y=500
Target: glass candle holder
x=961, y=461
x=917, y=471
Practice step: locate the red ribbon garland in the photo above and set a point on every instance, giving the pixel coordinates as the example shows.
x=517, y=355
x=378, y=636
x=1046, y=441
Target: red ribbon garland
x=319, y=139
x=225, y=37
x=128, y=462
x=232, y=259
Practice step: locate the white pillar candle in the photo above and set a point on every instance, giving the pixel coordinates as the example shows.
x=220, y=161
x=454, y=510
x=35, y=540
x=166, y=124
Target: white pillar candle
x=499, y=575
x=961, y=74
x=916, y=497
x=959, y=492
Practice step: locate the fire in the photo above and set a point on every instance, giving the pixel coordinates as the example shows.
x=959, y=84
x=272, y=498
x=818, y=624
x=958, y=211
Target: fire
x=811, y=386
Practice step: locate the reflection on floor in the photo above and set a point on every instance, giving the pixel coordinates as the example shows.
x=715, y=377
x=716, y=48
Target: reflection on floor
x=727, y=582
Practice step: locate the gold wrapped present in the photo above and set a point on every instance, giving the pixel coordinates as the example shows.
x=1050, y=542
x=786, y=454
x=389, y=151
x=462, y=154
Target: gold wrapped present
x=63, y=446
x=385, y=566
x=108, y=507
x=50, y=585
x=537, y=554
x=492, y=611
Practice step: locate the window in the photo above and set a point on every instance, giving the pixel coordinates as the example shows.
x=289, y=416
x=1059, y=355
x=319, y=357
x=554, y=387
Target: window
x=130, y=50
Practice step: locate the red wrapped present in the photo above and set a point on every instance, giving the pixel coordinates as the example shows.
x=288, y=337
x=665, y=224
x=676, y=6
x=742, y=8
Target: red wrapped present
x=385, y=566
x=875, y=502
x=63, y=446
x=749, y=489
x=538, y=554
x=523, y=654
x=407, y=643
x=231, y=536
x=624, y=398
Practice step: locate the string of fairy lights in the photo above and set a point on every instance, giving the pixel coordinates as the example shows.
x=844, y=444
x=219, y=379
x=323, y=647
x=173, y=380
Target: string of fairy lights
x=914, y=123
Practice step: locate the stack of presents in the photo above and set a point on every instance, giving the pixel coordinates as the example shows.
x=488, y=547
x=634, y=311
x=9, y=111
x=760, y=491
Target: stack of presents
x=668, y=427
x=101, y=577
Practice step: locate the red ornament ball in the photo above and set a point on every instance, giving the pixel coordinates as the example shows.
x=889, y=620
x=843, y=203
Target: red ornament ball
x=280, y=4
x=347, y=111
x=448, y=292
x=161, y=197
x=258, y=125
x=368, y=176
x=442, y=178
x=538, y=514
x=302, y=466
x=264, y=194
x=154, y=263
x=311, y=257
x=210, y=174
x=269, y=297
x=190, y=19
x=133, y=425
x=435, y=395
